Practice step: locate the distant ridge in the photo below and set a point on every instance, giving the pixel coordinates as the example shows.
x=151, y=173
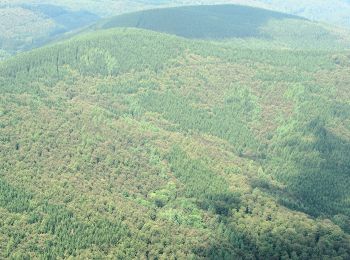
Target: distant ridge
x=199, y=22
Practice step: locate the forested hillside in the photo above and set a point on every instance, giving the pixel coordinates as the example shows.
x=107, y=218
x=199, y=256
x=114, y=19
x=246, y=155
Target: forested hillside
x=336, y=12
x=42, y=21
x=25, y=26
x=133, y=144
x=218, y=22
x=232, y=22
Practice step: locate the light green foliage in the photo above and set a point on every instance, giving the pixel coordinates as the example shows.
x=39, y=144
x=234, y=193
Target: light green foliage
x=132, y=144
x=295, y=33
x=47, y=21
x=25, y=25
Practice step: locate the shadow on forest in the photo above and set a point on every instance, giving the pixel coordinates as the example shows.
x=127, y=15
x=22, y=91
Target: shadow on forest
x=319, y=185
x=231, y=244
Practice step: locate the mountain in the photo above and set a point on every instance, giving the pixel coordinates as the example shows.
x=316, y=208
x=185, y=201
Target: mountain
x=100, y=8
x=45, y=20
x=225, y=22
x=216, y=22
x=135, y=144
x=336, y=12
x=39, y=23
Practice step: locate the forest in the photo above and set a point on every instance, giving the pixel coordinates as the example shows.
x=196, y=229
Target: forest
x=38, y=25
x=46, y=21
x=129, y=143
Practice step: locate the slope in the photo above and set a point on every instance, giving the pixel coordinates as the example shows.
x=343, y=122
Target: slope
x=224, y=22
x=37, y=24
x=42, y=21
x=186, y=149
x=221, y=21
x=332, y=12
x=335, y=12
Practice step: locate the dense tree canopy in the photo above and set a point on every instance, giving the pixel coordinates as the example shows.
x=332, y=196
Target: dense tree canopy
x=132, y=144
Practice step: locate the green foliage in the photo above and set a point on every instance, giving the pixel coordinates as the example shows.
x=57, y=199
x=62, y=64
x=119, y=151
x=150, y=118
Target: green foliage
x=12, y=199
x=227, y=122
x=99, y=53
x=225, y=22
x=312, y=157
x=39, y=23
x=216, y=22
x=69, y=234
x=53, y=20
x=334, y=12
x=132, y=144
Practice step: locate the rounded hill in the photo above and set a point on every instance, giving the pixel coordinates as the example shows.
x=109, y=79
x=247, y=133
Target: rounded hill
x=205, y=21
